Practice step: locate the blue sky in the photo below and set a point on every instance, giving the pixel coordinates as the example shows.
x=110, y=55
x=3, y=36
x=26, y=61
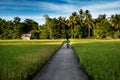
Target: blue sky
x=35, y=9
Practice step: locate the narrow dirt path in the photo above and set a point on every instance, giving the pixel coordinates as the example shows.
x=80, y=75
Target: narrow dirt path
x=63, y=66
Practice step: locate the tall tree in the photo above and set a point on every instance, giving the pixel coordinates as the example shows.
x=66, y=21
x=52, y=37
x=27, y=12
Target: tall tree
x=62, y=25
x=2, y=26
x=81, y=17
x=8, y=30
x=102, y=27
x=115, y=21
x=17, y=28
x=73, y=21
x=88, y=22
x=49, y=23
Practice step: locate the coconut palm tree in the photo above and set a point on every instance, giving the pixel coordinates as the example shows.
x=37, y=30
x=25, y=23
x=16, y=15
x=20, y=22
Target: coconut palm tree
x=88, y=22
x=81, y=16
x=115, y=21
x=73, y=21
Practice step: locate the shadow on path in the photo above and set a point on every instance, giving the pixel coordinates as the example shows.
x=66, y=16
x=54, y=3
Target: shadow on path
x=63, y=66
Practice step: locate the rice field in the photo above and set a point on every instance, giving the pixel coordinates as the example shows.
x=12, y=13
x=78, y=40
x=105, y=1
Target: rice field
x=21, y=59
x=100, y=59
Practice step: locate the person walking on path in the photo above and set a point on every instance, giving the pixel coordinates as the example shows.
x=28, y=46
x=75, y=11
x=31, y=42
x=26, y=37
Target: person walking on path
x=67, y=43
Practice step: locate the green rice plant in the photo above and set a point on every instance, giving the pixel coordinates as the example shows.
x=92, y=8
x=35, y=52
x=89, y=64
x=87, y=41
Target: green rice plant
x=100, y=59
x=47, y=41
x=20, y=61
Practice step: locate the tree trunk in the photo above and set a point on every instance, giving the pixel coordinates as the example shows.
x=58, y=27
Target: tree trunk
x=88, y=32
x=118, y=30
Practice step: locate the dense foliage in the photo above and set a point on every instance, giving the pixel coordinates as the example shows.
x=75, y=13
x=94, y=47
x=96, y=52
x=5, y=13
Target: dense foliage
x=99, y=59
x=79, y=25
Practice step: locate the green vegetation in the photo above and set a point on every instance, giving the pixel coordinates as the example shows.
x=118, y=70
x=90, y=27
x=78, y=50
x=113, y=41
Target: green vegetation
x=79, y=25
x=100, y=59
x=19, y=60
x=44, y=41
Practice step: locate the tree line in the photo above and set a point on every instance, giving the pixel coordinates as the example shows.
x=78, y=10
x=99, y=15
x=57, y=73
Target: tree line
x=79, y=25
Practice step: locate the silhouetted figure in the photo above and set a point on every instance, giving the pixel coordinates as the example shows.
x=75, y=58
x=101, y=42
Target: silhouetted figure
x=67, y=43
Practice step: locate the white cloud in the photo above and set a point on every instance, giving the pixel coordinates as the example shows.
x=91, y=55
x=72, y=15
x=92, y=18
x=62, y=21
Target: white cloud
x=56, y=10
x=107, y=8
x=73, y=1
x=38, y=19
x=104, y=8
x=69, y=1
x=107, y=12
x=62, y=8
x=101, y=6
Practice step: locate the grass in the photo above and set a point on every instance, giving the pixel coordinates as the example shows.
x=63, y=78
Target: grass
x=100, y=59
x=21, y=59
x=44, y=41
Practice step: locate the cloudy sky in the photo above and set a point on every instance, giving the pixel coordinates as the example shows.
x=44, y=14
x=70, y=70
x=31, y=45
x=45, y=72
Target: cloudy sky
x=35, y=9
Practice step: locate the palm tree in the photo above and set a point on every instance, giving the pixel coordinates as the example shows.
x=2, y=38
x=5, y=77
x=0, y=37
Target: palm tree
x=73, y=21
x=17, y=27
x=115, y=21
x=62, y=23
x=88, y=22
x=16, y=20
x=49, y=24
x=102, y=27
x=81, y=16
x=2, y=23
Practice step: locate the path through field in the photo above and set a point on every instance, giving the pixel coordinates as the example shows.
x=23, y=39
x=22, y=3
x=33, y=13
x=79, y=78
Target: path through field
x=63, y=66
